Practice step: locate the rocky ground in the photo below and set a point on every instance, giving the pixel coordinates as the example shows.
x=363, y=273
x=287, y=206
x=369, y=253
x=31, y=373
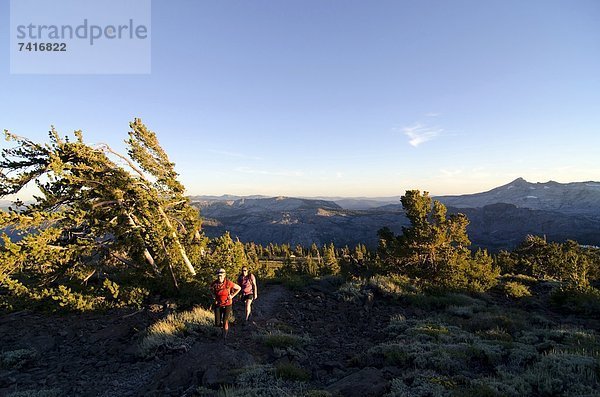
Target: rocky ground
x=97, y=354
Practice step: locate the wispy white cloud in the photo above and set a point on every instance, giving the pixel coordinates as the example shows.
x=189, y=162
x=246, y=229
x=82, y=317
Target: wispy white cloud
x=451, y=173
x=233, y=154
x=248, y=170
x=432, y=114
x=419, y=133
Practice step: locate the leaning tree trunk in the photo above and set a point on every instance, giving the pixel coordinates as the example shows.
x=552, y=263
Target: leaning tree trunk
x=182, y=252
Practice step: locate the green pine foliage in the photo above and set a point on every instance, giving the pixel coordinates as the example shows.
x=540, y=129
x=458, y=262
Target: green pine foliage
x=434, y=249
x=99, y=215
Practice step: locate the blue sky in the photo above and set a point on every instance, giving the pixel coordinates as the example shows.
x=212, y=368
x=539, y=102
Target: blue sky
x=344, y=98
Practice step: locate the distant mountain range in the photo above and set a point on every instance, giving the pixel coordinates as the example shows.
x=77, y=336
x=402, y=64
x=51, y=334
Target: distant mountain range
x=578, y=198
x=500, y=218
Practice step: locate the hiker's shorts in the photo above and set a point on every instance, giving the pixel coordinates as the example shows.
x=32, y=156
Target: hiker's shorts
x=222, y=314
x=247, y=296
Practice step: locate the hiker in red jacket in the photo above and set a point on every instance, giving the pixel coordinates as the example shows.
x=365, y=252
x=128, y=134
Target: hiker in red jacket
x=223, y=290
x=249, y=290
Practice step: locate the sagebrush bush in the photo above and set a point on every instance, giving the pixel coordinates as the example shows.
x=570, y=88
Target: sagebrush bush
x=422, y=384
x=460, y=311
x=578, y=299
x=262, y=381
x=506, y=385
x=509, y=321
x=37, y=393
x=283, y=340
x=289, y=371
x=496, y=334
x=17, y=359
x=394, y=286
x=352, y=291
x=429, y=301
x=564, y=374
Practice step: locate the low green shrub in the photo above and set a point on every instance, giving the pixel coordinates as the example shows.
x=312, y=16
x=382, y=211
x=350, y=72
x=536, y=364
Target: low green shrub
x=394, y=286
x=352, y=291
x=564, y=374
x=263, y=381
x=423, y=384
x=71, y=298
x=515, y=289
x=289, y=371
x=283, y=340
x=431, y=301
x=496, y=334
x=461, y=311
x=37, y=393
x=580, y=300
x=489, y=320
x=17, y=359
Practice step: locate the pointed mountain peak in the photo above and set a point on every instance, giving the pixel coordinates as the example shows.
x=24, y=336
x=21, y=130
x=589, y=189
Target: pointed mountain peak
x=519, y=180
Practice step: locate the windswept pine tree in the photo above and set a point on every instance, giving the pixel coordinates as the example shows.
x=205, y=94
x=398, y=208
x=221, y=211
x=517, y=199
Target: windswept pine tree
x=97, y=210
x=435, y=248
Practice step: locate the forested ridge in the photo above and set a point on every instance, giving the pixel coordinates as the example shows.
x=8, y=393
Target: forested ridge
x=111, y=231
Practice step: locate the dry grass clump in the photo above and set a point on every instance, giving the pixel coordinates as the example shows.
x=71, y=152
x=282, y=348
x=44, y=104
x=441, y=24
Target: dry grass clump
x=171, y=331
x=520, y=278
x=496, y=334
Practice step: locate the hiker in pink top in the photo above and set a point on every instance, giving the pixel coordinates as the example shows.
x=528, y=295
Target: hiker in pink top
x=249, y=290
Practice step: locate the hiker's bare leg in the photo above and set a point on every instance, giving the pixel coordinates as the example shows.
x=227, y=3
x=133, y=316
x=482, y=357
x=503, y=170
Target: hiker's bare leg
x=248, y=308
x=227, y=316
x=225, y=328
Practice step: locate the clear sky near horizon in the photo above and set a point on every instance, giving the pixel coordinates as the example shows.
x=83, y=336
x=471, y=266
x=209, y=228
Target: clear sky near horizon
x=344, y=98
